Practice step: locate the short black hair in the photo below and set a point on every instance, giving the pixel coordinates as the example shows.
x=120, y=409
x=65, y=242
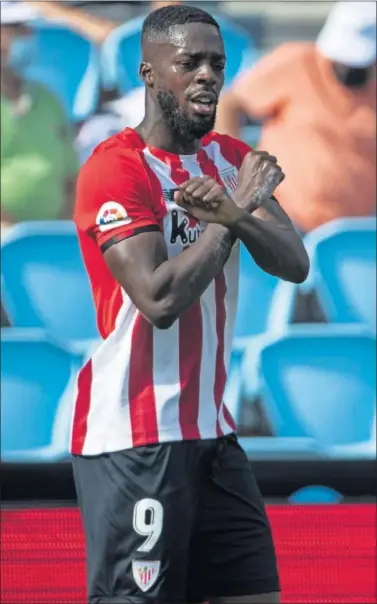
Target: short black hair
x=158, y=22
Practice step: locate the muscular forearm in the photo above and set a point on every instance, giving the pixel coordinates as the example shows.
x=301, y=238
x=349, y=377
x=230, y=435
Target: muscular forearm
x=180, y=281
x=276, y=247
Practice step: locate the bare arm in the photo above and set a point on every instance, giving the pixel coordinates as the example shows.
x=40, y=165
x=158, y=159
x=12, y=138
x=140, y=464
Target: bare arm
x=252, y=215
x=273, y=242
x=88, y=26
x=163, y=289
x=262, y=225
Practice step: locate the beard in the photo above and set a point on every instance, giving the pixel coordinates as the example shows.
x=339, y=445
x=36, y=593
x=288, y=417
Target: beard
x=185, y=127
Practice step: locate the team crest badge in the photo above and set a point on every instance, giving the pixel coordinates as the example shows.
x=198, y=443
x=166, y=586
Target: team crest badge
x=229, y=178
x=111, y=216
x=145, y=573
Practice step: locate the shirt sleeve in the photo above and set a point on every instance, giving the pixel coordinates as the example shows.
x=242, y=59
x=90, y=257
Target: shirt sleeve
x=114, y=198
x=264, y=89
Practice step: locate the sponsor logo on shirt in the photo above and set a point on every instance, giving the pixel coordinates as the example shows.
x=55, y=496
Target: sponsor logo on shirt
x=145, y=573
x=184, y=227
x=112, y=215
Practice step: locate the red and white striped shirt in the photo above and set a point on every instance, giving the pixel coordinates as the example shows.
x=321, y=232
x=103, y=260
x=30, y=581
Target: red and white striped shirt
x=144, y=385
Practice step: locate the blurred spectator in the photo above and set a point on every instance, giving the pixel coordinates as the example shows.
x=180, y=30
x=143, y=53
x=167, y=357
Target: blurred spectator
x=38, y=162
x=88, y=26
x=317, y=102
x=114, y=113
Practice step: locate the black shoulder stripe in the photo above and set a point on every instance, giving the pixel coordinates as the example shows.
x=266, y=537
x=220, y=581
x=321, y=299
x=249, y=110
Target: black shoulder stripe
x=117, y=238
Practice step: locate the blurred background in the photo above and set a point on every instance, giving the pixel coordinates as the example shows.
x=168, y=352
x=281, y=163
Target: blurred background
x=301, y=83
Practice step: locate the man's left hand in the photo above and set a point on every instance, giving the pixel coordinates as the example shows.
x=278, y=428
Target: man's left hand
x=206, y=200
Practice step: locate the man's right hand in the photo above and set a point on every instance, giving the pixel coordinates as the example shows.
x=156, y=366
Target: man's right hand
x=259, y=176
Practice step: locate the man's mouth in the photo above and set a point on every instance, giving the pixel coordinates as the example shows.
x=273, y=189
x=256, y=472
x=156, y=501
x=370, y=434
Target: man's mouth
x=204, y=104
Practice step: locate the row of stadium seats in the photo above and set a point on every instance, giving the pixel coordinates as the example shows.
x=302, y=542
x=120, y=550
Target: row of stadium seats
x=318, y=386
x=44, y=283
x=342, y=282
x=316, y=383
x=74, y=69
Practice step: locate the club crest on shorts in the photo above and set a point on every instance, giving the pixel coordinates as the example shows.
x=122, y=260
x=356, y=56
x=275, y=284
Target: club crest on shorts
x=145, y=573
x=229, y=178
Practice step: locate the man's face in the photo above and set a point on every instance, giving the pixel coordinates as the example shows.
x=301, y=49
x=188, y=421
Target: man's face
x=188, y=77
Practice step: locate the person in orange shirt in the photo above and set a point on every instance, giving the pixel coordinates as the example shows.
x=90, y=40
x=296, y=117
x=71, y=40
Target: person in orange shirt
x=317, y=104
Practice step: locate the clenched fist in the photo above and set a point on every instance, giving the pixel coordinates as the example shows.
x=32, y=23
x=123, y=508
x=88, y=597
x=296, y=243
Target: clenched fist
x=259, y=176
x=206, y=200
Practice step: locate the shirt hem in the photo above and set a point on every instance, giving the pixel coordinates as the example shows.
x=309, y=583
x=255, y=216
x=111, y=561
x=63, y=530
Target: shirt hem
x=160, y=439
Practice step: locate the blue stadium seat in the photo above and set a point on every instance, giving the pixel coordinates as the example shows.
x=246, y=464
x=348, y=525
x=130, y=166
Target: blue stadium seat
x=342, y=275
x=237, y=396
x=37, y=382
x=44, y=283
x=280, y=448
x=121, y=53
x=69, y=66
x=233, y=386
x=344, y=261
x=320, y=382
x=255, y=294
x=315, y=495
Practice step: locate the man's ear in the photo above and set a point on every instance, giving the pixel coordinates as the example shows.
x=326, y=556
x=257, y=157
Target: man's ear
x=146, y=74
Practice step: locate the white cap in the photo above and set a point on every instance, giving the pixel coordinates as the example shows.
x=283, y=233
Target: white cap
x=349, y=34
x=14, y=12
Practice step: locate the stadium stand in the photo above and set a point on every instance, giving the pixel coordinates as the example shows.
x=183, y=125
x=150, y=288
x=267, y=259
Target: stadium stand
x=307, y=380
x=257, y=286
x=303, y=396
x=44, y=283
x=69, y=66
x=342, y=276
x=37, y=381
x=320, y=382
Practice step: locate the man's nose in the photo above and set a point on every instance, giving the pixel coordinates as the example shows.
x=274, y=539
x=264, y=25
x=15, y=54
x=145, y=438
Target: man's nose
x=206, y=75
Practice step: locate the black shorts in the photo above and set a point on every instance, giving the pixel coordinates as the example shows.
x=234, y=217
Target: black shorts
x=175, y=522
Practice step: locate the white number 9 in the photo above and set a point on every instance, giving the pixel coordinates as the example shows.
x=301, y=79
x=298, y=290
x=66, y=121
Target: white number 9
x=151, y=529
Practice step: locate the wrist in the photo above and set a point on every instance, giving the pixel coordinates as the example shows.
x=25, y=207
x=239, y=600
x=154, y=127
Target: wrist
x=236, y=218
x=233, y=217
x=221, y=234
x=251, y=201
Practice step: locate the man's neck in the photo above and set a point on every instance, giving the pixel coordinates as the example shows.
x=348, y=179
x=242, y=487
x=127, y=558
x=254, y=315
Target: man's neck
x=157, y=133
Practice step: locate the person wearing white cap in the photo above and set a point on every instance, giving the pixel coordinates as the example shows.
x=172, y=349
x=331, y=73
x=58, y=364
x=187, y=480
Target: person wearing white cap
x=38, y=162
x=348, y=39
x=317, y=105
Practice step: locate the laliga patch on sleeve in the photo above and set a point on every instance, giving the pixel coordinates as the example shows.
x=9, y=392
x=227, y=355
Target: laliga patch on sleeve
x=111, y=216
